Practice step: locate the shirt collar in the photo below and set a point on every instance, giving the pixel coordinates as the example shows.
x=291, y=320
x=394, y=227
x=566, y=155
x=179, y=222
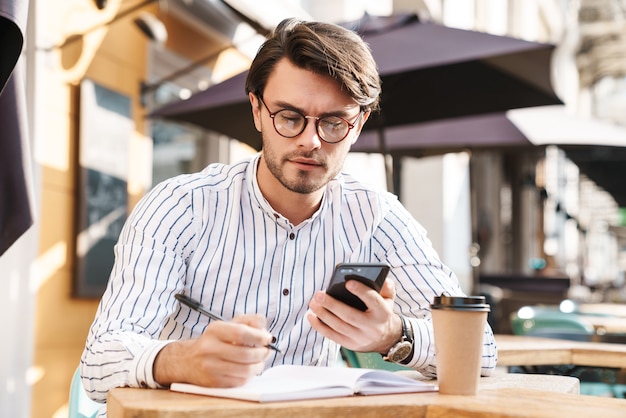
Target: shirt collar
x=262, y=203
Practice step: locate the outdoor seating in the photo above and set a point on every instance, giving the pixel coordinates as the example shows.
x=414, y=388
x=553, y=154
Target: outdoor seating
x=551, y=322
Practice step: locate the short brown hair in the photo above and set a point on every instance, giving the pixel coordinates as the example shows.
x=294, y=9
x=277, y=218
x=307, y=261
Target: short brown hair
x=322, y=48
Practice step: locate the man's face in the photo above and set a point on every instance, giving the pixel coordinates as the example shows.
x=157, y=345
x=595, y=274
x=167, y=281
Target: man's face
x=305, y=163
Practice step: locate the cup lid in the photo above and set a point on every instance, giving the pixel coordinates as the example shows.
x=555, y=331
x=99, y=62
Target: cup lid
x=468, y=303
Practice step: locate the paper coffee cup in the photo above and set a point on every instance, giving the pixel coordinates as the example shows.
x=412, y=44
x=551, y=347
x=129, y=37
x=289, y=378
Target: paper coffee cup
x=459, y=327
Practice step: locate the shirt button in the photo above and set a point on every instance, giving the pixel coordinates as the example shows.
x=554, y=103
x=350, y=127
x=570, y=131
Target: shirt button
x=292, y=236
x=285, y=292
x=273, y=339
x=143, y=385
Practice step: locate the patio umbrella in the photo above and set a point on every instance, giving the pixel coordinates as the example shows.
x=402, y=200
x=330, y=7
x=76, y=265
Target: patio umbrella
x=598, y=148
x=429, y=72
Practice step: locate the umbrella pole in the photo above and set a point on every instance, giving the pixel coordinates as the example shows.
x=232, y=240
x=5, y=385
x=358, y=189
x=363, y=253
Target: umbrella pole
x=388, y=160
x=396, y=174
x=474, y=250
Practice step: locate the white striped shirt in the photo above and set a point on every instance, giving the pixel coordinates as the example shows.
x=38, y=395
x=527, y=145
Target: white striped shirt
x=213, y=236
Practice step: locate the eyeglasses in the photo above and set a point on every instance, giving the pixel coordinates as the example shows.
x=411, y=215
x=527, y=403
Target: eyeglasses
x=290, y=123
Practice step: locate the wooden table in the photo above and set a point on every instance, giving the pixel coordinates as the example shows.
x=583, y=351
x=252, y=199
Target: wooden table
x=516, y=350
x=610, y=309
x=605, y=324
x=498, y=396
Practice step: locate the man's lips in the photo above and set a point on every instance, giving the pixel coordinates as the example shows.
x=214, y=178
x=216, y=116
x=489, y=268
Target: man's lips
x=306, y=163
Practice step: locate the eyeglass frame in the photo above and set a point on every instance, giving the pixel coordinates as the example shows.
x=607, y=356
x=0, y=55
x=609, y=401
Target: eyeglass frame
x=316, y=118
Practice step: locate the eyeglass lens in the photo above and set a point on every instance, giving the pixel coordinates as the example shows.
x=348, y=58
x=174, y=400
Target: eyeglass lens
x=291, y=124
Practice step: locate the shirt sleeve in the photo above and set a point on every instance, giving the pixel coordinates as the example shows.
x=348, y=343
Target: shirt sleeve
x=420, y=276
x=126, y=335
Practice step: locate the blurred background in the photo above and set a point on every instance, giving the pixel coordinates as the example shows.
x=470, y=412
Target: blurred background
x=527, y=209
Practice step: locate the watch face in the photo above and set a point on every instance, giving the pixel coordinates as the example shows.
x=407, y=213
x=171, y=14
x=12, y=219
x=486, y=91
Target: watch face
x=401, y=352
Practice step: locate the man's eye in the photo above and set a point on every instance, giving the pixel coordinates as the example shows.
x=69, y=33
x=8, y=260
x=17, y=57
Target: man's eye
x=289, y=114
x=332, y=123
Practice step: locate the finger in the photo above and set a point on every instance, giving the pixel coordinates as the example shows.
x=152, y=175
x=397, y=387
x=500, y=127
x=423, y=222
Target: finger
x=377, y=302
x=333, y=314
x=329, y=332
x=257, y=321
x=225, y=373
x=242, y=354
x=370, y=297
x=241, y=334
x=320, y=326
x=388, y=290
x=253, y=320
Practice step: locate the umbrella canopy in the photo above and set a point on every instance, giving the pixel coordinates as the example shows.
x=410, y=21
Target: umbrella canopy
x=429, y=72
x=598, y=148
x=488, y=131
x=223, y=108
x=533, y=126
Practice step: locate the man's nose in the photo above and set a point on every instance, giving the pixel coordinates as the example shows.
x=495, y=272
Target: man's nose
x=309, y=138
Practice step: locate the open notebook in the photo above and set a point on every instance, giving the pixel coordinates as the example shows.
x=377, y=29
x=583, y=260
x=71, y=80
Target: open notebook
x=291, y=382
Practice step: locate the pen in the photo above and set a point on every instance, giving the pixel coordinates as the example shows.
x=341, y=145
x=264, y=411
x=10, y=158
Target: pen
x=197, y=306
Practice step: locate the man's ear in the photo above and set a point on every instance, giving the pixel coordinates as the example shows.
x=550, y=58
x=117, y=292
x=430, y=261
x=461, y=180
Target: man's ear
x=364, y=119
x=360, y=125
x=256, y=110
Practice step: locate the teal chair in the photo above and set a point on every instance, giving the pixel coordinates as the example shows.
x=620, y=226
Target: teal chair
x=550, y=322
x=80, y=405
x=369, y=361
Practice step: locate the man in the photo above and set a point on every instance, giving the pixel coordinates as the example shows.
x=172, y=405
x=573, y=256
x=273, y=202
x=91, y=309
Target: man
x=256, y=242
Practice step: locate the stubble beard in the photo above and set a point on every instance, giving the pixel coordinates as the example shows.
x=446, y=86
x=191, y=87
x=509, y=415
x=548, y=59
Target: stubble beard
x=304, y=182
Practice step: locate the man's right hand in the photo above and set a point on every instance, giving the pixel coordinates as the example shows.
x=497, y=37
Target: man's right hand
x=227, y=354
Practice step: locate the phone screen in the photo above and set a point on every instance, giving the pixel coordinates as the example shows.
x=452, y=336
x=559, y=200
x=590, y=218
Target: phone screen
x=370, y=274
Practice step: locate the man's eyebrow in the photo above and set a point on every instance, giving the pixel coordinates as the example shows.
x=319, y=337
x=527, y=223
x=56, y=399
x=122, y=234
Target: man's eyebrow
x=285, y=105
x=288, y=106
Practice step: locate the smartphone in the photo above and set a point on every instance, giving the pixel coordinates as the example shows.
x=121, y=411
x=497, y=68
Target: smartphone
x=370, y=274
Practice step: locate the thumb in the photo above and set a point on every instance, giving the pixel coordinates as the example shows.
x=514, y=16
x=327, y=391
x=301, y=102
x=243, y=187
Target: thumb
x=252, y=320
x=388, y=291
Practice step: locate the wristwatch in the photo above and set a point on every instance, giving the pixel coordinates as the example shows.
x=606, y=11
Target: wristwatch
x=402, y=350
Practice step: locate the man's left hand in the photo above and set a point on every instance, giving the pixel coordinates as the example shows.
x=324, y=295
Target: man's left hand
x=375, y=330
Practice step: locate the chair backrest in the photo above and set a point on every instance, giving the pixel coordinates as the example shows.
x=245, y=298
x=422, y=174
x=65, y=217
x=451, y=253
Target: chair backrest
x=369, y=361
x=545, y=322
x=80, y=405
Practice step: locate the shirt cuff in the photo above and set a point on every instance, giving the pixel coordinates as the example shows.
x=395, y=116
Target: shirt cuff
x=144, y=376
x=423, y=345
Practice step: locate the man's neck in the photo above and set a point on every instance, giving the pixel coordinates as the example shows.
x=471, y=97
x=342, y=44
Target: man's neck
x=297, y=208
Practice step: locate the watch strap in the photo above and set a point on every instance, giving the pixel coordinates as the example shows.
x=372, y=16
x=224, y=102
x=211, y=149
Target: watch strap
x=407, y=330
